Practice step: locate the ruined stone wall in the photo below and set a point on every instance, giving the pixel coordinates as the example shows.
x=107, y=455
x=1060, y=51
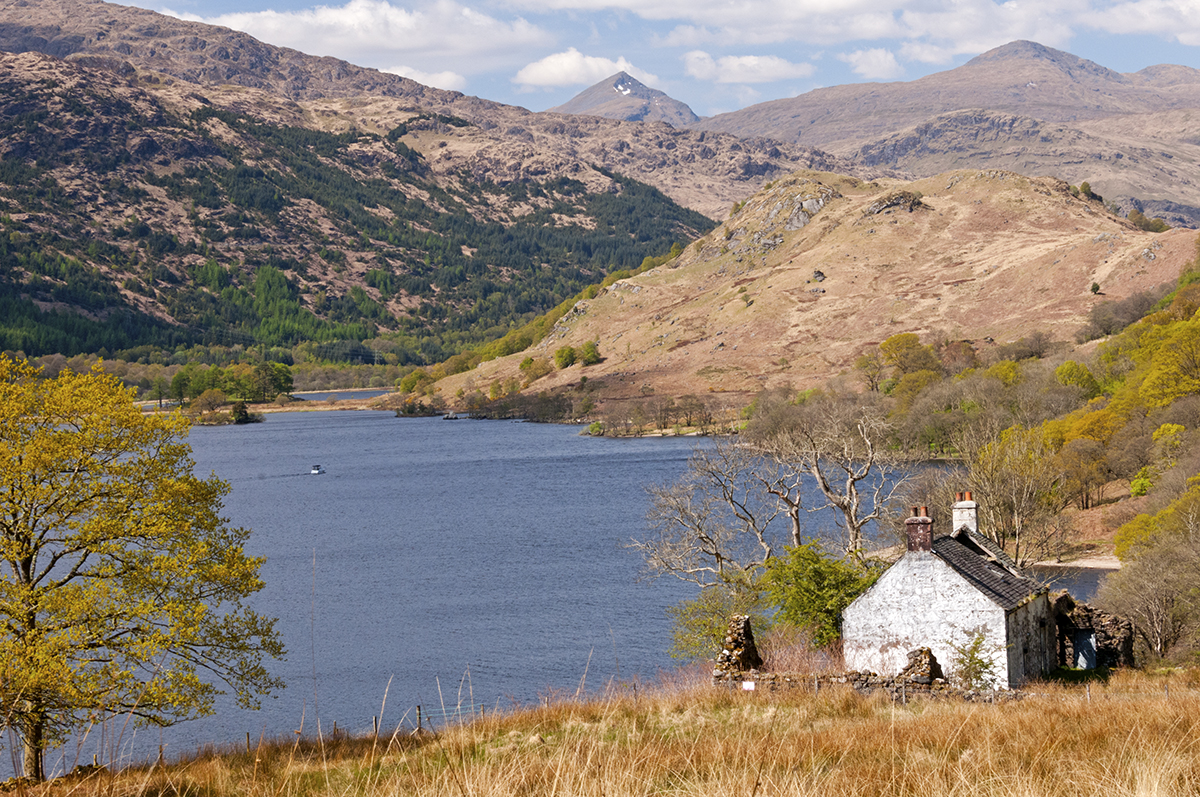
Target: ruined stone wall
x=866, y=683
x=1106, y=640
x=920, y=602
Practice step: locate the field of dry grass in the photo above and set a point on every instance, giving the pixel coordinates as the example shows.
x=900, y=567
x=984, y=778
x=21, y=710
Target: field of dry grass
x=1134, y=735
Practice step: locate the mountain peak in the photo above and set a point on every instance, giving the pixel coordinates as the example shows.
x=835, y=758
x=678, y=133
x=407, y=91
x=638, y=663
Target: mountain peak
x=622, y=96
x=1021, y=50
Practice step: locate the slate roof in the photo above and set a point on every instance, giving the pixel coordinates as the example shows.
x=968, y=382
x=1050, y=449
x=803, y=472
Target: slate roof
x=975, y=559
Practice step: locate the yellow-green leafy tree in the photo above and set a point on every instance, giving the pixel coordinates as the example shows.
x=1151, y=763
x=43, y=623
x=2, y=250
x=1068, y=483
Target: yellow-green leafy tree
x=905, y=353
x=1175, y=369
x=122, y=589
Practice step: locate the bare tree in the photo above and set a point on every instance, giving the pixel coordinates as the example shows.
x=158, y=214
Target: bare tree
x=1156, y=587
x=1013, y=473
x=841, y=444
x=711, y=527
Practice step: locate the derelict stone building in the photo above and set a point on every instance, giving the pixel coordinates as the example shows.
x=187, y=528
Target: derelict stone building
x=944, y=590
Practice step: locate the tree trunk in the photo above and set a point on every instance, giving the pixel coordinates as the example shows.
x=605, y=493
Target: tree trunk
x=33, y=735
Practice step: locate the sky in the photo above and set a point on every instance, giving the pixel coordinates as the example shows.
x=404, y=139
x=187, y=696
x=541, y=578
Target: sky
x=714, y=55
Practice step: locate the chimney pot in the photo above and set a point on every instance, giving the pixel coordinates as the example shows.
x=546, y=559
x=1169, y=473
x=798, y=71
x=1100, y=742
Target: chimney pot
x=965, y=514
x=918, y=532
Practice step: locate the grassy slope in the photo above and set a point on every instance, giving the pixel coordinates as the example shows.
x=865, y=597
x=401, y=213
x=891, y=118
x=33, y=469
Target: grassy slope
x=1129, y=738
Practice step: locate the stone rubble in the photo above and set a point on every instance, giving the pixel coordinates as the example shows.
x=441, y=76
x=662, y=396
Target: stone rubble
x=740, y=654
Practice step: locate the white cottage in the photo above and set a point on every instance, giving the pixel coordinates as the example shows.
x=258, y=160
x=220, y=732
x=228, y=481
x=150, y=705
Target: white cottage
x=944, y=590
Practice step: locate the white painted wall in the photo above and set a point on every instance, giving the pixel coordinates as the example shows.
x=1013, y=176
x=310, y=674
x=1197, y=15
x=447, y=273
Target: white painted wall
x=920, y=602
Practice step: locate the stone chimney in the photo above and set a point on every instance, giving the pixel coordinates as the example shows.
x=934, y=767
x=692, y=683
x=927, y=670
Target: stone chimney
x=918, y=530
x=965, y=512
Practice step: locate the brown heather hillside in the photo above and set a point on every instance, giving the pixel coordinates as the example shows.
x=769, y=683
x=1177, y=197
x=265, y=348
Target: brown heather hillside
x=984, y=256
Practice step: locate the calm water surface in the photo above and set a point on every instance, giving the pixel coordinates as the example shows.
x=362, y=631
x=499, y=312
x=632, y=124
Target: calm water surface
x=429, y=550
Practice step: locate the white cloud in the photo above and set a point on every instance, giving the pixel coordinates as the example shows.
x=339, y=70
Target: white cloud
x=926, y=53
x=743, y=68
x=443, y=36
x=687, y=36
x=935, y=30
x=451, y=81
x=874, y=64
x=1171, y=19
x=573, y=68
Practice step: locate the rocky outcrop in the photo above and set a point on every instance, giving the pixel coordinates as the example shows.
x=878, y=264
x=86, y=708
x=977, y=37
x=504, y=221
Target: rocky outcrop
x=900, y=200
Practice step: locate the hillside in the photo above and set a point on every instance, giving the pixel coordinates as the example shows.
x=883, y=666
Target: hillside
x=817, y=268
x=706, y=172
x=1022, y=106
x=138, y=216
x=623, y=97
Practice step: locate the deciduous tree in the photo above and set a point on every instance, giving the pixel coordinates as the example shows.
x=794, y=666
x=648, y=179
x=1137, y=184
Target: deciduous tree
x=1014, y=474
x=1156, y=587
x=711, y=527
x=841, y=444
x=122, y=589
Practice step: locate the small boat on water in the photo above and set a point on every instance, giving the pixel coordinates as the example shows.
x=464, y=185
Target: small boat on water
x=450, y=416
x=316, y=469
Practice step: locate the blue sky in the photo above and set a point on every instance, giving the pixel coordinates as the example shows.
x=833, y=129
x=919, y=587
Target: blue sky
x=715, y=55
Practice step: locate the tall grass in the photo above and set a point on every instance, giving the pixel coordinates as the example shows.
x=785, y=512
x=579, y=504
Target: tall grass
x=1130, y=738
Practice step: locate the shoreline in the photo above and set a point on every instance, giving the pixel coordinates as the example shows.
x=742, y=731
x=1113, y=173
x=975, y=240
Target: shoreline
x=1096, y=562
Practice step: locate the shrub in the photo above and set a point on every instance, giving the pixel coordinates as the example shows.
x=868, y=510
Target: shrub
x=973, y=665
x=210, y=400
x=812, y=588
x=589, y=354
x=535, y=369
x=564, y=357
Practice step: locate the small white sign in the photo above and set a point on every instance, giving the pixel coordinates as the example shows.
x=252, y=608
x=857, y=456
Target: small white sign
x=747, y=686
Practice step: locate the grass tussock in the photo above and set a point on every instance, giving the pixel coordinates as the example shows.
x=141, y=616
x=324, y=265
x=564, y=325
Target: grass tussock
x=1137, y=735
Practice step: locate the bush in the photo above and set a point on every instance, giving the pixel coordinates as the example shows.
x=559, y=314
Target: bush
x=973, y=666
x=698, y=625
x=813, y=588
x=589, y=354
x=564, y=357
x=1139, y=220
x=535, y=369
x=240, y=413
x=210, y=400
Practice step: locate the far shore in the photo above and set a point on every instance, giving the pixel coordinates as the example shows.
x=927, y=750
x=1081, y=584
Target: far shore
x=1098, y=562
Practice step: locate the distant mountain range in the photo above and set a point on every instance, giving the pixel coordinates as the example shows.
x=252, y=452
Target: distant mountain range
x=165, y=183
x=624, y=97
x=1022, y=106
x=704, y=171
